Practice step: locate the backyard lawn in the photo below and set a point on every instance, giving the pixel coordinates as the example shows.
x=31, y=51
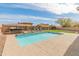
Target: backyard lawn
x=65, y=31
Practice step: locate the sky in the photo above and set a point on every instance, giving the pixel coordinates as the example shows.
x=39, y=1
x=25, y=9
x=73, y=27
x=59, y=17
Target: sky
x=37, y=13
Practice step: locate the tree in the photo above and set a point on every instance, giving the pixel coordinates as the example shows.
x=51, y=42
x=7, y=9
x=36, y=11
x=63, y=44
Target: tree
x=76, y=24
x=64, y=22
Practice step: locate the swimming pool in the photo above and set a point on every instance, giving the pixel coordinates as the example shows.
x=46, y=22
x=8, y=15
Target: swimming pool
x=30, y=38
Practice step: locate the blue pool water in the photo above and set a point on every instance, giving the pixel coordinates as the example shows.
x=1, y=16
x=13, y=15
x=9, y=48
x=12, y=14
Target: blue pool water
x=30, y=38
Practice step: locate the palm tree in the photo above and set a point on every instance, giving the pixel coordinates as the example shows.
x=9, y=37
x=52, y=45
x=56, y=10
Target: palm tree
x=64, y=22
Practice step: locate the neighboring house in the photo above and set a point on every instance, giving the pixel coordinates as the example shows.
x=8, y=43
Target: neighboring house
x=0, y=27
x=43, y=26
x=16, y=28
x=10, y=29
x=24, y=27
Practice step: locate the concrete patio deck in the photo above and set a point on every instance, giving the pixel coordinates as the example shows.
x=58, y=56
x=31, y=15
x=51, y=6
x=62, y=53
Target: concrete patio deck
x=73, y=50
x=2, y=42
x=55, y=46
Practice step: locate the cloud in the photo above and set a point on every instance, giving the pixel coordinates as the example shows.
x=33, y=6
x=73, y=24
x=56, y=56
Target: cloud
x=59, y=8
x=21, y=17
x=22, y=6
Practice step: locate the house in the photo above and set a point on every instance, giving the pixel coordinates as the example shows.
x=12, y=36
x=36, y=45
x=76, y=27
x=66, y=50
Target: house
x=43, y=26
x=25, y=26
x=10, y=29
x=16, y=28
